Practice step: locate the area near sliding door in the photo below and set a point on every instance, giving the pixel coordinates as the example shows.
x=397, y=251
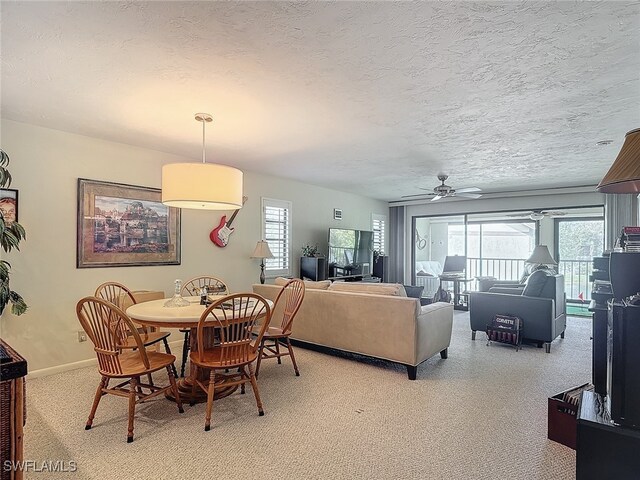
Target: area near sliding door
x=497, y=244
x=577, y=240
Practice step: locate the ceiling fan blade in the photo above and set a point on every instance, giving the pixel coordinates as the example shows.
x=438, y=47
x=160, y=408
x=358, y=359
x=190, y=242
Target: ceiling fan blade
x=468, y=190
x=417, y=195
x=437, y=197
x=467, y=195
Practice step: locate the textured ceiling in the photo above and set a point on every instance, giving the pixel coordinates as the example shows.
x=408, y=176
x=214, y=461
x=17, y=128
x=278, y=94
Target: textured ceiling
x=370, y=97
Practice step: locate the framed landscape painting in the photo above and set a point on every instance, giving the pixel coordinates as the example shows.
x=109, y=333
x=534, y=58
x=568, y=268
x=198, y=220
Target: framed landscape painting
x=125, y=225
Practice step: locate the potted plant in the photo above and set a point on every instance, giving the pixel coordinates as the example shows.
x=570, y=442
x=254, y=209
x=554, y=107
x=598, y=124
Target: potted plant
x=11, y=234
x=309, y=251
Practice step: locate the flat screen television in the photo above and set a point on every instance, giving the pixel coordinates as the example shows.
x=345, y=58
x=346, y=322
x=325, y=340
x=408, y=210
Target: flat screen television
x=351, y=251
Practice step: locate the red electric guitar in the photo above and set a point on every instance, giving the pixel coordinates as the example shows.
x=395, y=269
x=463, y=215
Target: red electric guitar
x=220, y=235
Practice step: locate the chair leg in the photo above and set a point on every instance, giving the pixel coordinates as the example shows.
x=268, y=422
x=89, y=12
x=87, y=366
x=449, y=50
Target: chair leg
x=260, y=353
x=473, y=334
x=168, y=350
x=194, y=376
x=562, y=334
x=207, y=418
x=132, y=407
x=278, y=351
x=185, y=352
x=96, y=401
x=547, y=347
x=150, y=379
x=254, y=385
x=174, y=387
x=293, y=358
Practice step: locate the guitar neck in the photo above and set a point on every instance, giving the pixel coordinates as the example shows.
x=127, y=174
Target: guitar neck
x=244, y=199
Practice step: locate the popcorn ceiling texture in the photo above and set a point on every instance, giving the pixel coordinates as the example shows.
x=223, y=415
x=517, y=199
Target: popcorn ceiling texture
x=370, y=97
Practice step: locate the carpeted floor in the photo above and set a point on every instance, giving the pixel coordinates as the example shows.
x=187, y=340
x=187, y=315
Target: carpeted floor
x=480, y=414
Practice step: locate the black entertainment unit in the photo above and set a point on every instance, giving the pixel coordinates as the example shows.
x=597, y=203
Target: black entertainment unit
x=608, y=421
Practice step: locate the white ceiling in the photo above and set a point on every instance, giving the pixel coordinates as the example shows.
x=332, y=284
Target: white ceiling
x=370, y=97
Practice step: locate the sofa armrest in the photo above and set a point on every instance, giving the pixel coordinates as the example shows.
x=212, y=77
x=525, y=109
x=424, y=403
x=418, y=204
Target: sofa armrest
x=433, y=330
x=537, y=314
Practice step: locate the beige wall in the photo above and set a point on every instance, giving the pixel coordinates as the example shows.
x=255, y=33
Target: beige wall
x=46, y=164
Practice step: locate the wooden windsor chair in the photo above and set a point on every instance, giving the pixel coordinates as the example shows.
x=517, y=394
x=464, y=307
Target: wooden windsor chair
x=231, y=320
x=192, y=288
x=119, y=295
x=110, y=330
x=288, y=302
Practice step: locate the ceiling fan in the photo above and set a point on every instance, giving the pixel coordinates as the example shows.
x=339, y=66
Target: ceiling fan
x=538, y=214
x=444, y=190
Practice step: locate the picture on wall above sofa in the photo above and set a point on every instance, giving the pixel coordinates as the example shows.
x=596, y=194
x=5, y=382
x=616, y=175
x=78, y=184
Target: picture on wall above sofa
x=125, y=225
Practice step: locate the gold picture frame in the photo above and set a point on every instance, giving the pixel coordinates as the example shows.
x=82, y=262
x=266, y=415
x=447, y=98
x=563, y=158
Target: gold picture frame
x=122, y=225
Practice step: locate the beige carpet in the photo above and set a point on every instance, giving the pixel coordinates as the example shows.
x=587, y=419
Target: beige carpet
x=480, y=414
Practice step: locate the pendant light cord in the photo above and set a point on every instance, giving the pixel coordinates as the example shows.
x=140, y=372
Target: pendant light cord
x=203, y=144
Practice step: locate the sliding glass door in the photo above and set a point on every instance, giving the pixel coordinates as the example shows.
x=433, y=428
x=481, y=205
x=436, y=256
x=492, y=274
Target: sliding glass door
x=578, y=240
x=435, y=238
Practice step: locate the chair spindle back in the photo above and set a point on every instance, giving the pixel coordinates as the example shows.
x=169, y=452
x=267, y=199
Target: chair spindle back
x=214, y=285
x=233, y=318
x=116, y=293
x=108, y=328
x=291, y=296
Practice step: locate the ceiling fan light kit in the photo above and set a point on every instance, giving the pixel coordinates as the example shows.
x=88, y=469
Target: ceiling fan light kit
x=624, y=174
x=203, y=186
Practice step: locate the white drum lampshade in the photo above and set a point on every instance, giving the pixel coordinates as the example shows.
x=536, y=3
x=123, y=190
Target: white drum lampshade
x=205, y=186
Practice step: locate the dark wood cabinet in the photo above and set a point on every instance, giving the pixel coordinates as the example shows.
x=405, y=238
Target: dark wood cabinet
x=313, y=268
x=381, y=268
x=604, y=450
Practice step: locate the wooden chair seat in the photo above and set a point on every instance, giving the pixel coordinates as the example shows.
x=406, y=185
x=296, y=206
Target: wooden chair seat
x=213, y=358
x=132, y=365
x=148, y=338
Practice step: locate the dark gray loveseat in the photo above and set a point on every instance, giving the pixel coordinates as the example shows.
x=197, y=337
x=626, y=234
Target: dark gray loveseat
x=540, y=304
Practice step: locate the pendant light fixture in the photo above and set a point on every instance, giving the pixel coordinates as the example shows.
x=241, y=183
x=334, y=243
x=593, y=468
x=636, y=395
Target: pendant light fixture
x=624, y=174
x=205, y=186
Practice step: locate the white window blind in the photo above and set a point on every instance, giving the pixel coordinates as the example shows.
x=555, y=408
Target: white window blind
x=276, y=231
x=378, y=225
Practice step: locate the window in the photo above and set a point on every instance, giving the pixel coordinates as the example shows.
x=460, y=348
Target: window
x=378, y=226
x=276, y=231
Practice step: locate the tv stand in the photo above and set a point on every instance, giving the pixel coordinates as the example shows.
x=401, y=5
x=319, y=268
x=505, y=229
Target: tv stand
x=355, y=278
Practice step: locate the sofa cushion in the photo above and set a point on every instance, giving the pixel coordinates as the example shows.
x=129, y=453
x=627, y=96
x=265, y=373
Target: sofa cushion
x=393, y=289
x=321, y=285
x=535, y=283
x=309, y=284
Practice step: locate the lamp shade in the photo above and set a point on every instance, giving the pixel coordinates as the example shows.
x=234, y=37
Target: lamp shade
x=541, y=256
x=205, y=186
x=262, y=250
x=624, y=174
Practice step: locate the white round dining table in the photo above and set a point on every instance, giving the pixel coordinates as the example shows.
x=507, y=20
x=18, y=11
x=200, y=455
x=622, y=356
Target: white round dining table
x=155, y=314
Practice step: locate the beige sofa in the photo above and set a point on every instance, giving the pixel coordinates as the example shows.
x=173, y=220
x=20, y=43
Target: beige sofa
x=377, y=320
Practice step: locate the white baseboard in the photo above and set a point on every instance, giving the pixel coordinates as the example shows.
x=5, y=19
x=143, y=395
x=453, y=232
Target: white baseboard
x=176, y=349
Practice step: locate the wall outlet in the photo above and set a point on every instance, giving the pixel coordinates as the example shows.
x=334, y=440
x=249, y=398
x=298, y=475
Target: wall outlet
x=82, y=336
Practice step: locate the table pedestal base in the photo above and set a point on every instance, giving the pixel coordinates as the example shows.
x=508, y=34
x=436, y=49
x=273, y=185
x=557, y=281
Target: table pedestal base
x=184, y=387
x=184, y=384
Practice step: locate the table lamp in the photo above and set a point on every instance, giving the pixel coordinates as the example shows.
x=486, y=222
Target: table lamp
x=262, y=251
x=541, y=257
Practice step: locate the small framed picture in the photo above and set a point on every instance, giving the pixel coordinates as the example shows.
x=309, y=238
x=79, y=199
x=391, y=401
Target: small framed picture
x=9, y=205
